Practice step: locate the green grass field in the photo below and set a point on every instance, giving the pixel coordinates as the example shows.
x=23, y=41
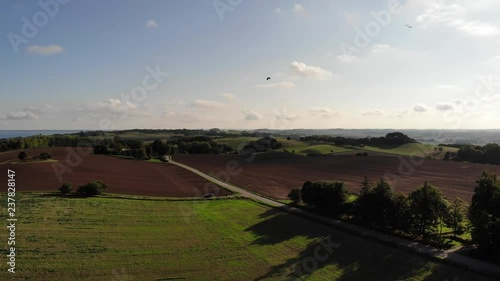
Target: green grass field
x=292, y=144
x=148, y=137
x=235, y=142
x=305, y=148
x=124, y=239
x=323, y=149
x=413, y=149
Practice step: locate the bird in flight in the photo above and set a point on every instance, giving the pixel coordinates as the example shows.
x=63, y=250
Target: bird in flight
x=409, y=26
x=268, y=78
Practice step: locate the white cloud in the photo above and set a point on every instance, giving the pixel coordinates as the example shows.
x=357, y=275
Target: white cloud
x=309, y=71
x=476, y=27
x=455, y=15
x=116, y=105
x=444, y=106
x=19, y=115
x=420, y=108
x=398, y=113
x=381, y=112
x=284, y=114
x=228, y=96
x=45, y=50
x=322, y=112
x=192, y=117
x=28, y=113
x=346, y=58
x=169, y=113
x=251, y=115
x=174, y=103
x=378, y=48
x=297, y=8
x=207, y=104
x=282, y=85
x=151, y=24
x=320, y=109
x=374, y=112
x=187, y=117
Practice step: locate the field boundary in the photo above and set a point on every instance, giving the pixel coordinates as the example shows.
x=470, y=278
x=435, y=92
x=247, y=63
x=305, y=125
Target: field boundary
x=108, y=195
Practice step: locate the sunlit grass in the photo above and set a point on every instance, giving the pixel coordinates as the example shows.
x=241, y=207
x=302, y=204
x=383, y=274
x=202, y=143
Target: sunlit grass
x=59, y=238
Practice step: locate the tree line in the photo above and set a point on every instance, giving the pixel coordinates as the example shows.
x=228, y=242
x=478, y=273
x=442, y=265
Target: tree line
x=46, y=141
x=395, y=138
x=422, y=213
x=179, y=145
x=487, y=154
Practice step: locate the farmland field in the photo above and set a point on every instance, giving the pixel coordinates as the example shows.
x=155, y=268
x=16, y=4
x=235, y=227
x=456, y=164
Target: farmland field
x=123, y=239
x=237, y=142
x=122, y=175
x=323, y=149
x=274, y=174
x=414, y=149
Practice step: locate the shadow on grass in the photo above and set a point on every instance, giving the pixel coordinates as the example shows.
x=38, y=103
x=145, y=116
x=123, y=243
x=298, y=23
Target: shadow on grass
x=75, y=195
x=60, y=195
x=348, y=257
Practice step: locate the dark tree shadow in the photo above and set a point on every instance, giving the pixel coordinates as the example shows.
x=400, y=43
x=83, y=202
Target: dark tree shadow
x=356, y=258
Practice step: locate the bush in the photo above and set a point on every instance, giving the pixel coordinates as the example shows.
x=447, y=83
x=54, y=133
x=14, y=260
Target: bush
x=484, y=212
x=295, y=195
x=45, y=156
x=92, y=189
x=326, y=196
x=22, y=155
x=65, y=188
x=101, y=149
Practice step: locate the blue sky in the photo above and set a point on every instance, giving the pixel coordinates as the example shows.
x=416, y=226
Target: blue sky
x=347, y=64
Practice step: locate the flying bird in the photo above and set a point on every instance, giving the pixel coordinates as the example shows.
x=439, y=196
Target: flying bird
x=268, y=78
x=409, y=26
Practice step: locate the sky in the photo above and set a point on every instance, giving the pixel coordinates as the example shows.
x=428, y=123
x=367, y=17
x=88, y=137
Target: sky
x=104, y=65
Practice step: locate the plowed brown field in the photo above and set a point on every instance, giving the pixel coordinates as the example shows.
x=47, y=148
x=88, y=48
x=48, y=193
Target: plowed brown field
x=274, y=174
x=122, y=175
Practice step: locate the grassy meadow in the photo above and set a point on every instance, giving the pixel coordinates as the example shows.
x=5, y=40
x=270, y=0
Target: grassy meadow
x=414, y=149
x=128, y=239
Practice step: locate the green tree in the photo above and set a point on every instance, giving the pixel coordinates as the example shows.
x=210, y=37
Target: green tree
x=365, y=187
x=93, y=188
x=101, y=149
x=484, y=214
x=295, y=195
x=470, y=154
x=374, y=204
x=428, y=208
x=456, y=216
x=400, y=216
x=362, y=204
x=491, y=153
x=326, y=196
x=65, y=188
x=22, y=155
x=159, y=148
